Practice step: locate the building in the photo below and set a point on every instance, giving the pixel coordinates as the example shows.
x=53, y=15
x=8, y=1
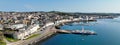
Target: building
x=25, y=33
x=16, y=26
x=1, y=27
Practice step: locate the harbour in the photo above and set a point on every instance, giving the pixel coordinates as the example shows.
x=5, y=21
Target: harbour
x=107, y=31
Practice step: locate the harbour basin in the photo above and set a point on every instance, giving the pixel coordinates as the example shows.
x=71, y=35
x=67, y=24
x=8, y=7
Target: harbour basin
x=107, y=30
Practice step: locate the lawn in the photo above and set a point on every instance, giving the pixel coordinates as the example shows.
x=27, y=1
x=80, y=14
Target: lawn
x=11, y=39
x=2, y=42
x=1, y=39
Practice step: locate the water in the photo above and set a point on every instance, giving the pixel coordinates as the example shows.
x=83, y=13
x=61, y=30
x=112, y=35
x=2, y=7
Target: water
x=108, y=31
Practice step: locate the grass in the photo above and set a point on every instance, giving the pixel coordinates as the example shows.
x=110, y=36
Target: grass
x=2, y=42
x=11, y=39
x=34, y=35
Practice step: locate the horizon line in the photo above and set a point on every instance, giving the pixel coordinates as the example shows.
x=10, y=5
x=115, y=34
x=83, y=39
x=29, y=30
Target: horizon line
x=59, y=11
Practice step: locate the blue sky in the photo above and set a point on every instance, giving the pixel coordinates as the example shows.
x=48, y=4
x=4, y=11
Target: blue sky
x=108, y=6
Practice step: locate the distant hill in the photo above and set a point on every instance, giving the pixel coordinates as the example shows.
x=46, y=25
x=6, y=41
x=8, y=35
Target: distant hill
x=78, y=13
x=67, y=13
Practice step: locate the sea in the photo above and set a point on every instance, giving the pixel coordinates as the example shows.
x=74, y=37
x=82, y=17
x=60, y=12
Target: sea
x=108, y=33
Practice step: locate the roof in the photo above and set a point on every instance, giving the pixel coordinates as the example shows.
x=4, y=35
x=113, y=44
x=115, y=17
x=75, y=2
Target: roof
x=17, y=26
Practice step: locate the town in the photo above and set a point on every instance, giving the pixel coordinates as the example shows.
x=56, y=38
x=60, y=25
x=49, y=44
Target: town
x=17, y=26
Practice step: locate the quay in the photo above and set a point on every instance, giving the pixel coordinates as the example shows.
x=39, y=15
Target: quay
x=80, y=32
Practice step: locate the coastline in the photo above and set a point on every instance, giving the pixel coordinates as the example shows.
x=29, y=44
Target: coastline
x=50, y=31
x=33, y=40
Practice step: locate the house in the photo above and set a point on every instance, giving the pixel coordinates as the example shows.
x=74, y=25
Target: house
x=24, y=33
x=1, y=27
x=16, y=26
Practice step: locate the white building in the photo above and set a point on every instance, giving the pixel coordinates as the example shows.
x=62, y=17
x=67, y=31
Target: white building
x=48, y=24
x=1, y=27
x=26, y=32
x=16, y=26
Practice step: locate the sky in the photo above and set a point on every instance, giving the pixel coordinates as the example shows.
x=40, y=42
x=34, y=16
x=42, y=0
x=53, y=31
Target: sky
x=102, y=6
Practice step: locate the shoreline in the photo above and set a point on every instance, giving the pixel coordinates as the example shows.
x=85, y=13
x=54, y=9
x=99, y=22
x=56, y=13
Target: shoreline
x=60, y=24
x=46, y=34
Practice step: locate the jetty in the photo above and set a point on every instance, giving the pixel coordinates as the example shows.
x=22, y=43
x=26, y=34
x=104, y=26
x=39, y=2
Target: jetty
x=81, y=32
